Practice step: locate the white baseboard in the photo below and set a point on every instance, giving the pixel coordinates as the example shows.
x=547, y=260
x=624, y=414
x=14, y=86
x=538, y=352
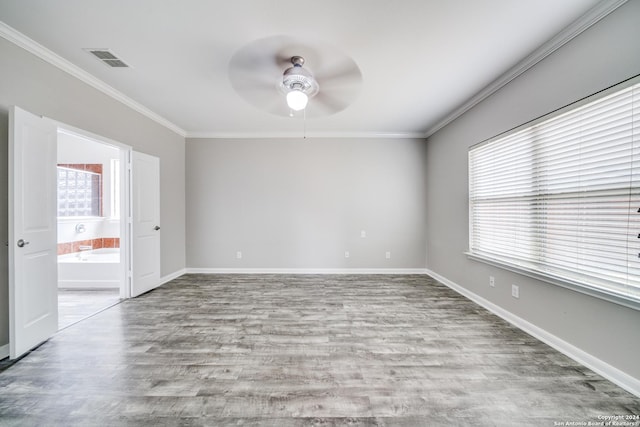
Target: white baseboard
x=306, y=270
x=613, y=374
x=4, y=351
x=169, y=277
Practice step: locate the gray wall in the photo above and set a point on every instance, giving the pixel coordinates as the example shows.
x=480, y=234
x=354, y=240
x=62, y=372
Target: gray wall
x=605, y=54
x=41, y=88
x=302, y=203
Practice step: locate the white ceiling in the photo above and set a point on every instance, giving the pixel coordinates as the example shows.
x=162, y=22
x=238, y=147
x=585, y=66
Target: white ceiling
x=421, y=60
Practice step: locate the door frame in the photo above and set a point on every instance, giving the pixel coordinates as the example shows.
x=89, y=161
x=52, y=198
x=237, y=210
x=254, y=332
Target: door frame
x=125, y=199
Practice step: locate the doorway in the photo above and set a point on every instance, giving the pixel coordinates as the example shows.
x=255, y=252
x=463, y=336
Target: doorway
x=89, y=212
x=33, y=223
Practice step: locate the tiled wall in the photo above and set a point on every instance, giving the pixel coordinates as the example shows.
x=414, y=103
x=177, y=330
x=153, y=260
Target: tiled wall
x=103, y=242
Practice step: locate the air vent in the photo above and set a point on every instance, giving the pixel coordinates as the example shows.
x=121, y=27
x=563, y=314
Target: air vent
x=107, y=57
x=115, y=63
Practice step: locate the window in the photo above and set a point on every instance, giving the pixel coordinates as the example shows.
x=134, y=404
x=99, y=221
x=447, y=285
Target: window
x=559, y=199
x=79, y=192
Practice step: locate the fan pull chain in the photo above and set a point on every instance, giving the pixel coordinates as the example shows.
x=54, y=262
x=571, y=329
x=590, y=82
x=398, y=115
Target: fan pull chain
x=304, y=125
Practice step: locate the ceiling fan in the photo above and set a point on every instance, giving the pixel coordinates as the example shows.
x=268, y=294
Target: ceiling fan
x=272, y=75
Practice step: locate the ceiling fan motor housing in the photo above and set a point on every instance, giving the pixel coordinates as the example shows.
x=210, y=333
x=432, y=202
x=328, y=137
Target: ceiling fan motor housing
x=298, y=78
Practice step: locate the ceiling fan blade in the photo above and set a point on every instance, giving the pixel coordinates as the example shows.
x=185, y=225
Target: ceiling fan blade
x=324, y=104
x=255, y=89
x=340, y=73
x=242, y=78
x=254, y=74
x=270, y=55
x=336, y=94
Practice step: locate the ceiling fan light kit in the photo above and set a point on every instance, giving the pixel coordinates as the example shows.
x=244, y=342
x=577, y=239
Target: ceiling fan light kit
x=297, y=100
x=298, y=84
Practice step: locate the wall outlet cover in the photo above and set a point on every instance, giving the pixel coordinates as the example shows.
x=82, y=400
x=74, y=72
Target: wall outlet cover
x=515, y=291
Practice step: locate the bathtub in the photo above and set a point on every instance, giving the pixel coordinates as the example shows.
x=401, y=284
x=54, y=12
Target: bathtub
x=98, y=268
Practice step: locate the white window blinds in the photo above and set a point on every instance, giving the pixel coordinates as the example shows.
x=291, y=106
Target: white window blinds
x=561, y=197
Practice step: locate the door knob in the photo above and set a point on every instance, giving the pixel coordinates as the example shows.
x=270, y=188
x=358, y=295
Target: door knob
x=156, y=228
x=21, y=243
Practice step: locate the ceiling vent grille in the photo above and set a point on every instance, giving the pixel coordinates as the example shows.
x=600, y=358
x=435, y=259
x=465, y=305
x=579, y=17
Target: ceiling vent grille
x=107, y=57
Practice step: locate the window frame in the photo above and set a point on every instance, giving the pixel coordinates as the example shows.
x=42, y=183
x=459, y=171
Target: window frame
x=591, y=289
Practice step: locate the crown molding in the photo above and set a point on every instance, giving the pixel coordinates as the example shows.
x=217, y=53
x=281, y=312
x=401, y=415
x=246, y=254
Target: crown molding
x=595, y=14
x=31, y=46
x=301, y=135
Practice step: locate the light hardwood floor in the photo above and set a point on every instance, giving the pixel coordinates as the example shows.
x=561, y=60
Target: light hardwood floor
x=276, y=350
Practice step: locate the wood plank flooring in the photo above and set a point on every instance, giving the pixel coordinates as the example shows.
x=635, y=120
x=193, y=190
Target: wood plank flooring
x=279, y=350
x=77, y=304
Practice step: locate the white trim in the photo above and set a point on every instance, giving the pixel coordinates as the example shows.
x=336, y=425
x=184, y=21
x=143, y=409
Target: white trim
x=31, y=46
x=169, y=277
x=595, y=14
x=75, y=132
x=4, y=351
x=613, y=374
x=300, y=135
x=306, y=270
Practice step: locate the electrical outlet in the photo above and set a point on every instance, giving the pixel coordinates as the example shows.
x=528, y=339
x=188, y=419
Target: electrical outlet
x=492, y=281
x=346, y=254
x=363, y=233
x=387, y=255
x=238, y=255
x=515, y=291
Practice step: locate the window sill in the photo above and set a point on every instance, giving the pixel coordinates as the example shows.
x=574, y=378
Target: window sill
x=606, y=295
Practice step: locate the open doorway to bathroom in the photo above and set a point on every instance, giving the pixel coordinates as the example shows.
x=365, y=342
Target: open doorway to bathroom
x=90, y=267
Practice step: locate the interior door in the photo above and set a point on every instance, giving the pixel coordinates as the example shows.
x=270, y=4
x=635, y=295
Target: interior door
x=145, y=177
x=33, y=268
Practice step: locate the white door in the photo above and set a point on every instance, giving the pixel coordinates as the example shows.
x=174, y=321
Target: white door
x=145, y=177
x=33, y=268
